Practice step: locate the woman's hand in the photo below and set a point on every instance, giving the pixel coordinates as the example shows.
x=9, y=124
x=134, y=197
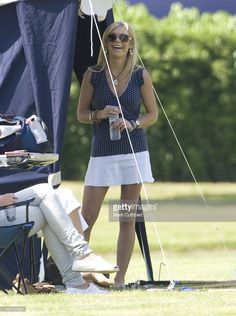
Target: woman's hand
x=7, y=199
x=107, y=111
x=120, y=124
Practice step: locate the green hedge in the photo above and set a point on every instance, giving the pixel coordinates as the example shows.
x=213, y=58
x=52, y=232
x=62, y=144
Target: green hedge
x=192, y=61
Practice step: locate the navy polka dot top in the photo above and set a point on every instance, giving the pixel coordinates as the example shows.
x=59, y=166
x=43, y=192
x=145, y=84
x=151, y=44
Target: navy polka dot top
x=130, y=101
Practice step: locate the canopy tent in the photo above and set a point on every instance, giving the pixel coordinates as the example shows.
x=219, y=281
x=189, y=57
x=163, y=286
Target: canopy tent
x=40, y=41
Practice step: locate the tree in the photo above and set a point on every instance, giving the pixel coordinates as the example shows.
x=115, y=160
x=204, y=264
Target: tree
x=192, y=61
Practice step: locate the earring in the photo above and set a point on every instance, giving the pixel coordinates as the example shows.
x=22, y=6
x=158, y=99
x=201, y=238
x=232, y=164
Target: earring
x=131, y=51
x=105, y=51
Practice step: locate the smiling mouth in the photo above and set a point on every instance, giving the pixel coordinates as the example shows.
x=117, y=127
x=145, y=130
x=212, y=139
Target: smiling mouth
x=116, y=47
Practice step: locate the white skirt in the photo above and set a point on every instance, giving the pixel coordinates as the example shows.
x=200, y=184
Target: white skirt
x=119, y=169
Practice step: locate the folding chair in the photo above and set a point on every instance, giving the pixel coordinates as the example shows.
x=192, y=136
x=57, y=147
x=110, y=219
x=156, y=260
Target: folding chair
x=10, y=237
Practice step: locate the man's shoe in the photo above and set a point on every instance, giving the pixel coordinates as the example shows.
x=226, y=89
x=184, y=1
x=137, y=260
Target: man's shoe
x=96, y=264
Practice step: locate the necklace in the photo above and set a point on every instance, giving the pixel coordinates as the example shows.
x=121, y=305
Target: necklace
x=115, y=78
x=116, y=82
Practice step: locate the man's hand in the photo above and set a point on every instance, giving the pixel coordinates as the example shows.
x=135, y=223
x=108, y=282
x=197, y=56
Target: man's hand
x=7, y=199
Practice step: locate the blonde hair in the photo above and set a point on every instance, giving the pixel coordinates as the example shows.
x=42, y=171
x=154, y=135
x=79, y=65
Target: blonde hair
x=131, y=59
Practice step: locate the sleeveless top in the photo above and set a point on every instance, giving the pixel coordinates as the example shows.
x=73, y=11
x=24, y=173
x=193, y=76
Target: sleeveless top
x=130, y=101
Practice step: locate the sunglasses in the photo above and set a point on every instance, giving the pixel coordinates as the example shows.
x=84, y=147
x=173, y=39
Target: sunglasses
x=122, y=37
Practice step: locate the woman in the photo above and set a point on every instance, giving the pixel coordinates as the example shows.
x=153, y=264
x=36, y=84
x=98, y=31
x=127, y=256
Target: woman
x=112, y=162
x=67, y=247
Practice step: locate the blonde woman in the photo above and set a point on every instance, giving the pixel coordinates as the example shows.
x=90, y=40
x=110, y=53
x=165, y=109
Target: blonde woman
x=112, y=162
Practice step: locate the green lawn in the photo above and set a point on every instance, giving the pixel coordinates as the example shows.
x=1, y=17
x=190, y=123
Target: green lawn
x=128, y=303
x=201, y=265
x=175, y=236
x=194, y=251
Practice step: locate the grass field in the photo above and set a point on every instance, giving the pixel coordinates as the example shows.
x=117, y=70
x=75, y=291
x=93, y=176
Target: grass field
x=193, y=250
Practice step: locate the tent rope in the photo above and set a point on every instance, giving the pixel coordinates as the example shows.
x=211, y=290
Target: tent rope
x=183, y=154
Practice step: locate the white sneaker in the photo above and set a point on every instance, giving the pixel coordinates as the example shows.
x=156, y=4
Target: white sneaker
x=96, y=264
x=92, y=289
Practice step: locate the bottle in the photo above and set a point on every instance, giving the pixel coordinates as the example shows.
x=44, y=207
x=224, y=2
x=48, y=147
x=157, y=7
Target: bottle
x=114, y=132
x=10, y=213
x=37, y=130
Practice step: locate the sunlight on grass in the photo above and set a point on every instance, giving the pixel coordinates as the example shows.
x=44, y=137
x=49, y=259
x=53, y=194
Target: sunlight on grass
x=169, y=190
x=175, y=236
x=217, y=265
x=193, y=251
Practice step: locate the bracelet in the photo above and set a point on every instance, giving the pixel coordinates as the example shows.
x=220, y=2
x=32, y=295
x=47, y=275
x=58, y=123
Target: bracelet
x=92, y=117
x=135, y=124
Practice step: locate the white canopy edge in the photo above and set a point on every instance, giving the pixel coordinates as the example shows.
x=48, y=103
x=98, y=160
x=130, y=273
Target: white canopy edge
x=4, y=2
x=98, y=7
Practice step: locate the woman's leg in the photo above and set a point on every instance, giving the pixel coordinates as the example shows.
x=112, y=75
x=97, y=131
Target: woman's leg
x=75, y=218
x=126, y=238
x=92, y=202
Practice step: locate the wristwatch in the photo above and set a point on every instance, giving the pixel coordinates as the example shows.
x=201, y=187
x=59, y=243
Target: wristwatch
x=135, y=124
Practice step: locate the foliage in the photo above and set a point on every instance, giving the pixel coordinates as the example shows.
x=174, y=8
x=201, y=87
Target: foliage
x=192, y=61
x=77, y=140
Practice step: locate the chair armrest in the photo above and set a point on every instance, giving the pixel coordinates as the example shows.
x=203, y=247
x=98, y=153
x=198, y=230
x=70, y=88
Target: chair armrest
x=17, y=204
x=26, y=202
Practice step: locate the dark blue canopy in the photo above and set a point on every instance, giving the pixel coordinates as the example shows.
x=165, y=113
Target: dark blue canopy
x=38, y=42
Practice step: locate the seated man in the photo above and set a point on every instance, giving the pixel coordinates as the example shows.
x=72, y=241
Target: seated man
x=67, y=247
